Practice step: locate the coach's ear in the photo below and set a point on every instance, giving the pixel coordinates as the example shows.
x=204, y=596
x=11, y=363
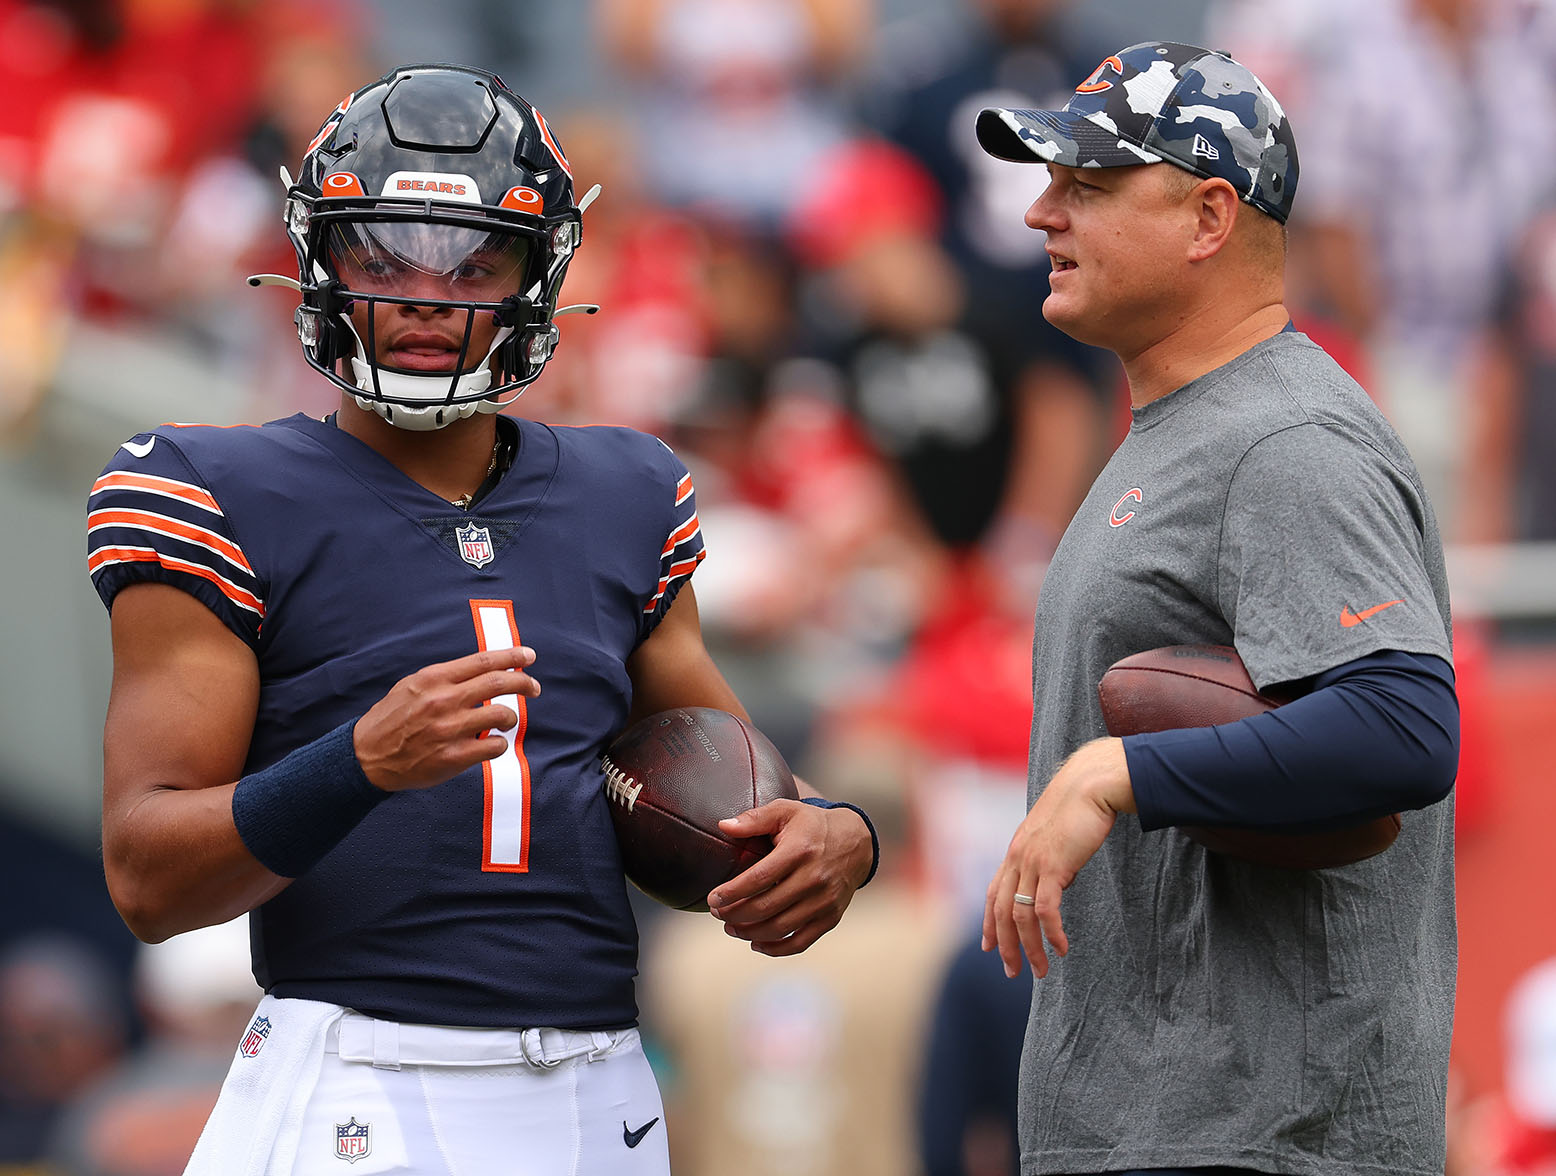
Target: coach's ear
x=1216, y=209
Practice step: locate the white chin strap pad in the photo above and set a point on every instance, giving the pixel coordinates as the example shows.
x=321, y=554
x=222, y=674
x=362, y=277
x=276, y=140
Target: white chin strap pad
x=419, y=420
x=434, y=416
x=420, y=403
x=405, y=390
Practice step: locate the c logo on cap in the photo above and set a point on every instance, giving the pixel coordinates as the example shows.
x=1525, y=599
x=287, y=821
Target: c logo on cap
x=1095, y=84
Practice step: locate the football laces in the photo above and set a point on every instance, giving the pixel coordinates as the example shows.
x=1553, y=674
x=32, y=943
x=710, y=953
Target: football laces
x=619, y=786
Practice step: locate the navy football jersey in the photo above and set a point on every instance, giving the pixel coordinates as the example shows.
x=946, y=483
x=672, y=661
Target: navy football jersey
x=496, y=898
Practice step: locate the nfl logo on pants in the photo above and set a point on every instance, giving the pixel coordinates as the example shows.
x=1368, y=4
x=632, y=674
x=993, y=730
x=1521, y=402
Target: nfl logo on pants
x=352, y=1140
x=254, y=1039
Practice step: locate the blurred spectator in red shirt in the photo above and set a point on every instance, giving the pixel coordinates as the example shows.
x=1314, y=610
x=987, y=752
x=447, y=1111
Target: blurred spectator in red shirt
x=129, y=202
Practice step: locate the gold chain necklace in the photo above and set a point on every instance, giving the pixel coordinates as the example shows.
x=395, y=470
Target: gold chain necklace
x=464, y=500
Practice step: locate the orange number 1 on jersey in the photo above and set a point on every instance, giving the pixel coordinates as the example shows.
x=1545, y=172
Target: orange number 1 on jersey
x=505, y=830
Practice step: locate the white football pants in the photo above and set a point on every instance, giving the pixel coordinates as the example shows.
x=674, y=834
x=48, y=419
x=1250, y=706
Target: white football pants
x=325, y=1091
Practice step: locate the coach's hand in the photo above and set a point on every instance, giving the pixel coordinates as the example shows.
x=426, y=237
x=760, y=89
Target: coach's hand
x=1068, y=824
x=437, y=722
x=799, y=891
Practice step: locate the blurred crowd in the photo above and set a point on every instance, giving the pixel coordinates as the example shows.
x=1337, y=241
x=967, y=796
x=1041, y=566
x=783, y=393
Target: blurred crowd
x=822, y=295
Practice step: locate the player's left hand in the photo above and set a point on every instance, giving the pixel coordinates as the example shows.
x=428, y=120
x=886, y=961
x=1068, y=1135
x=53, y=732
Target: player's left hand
x=799, y=891
x=1068, y=824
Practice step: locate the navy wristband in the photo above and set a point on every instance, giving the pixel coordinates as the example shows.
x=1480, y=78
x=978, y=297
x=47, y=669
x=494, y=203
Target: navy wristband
x=295, y=811
x=875, y=842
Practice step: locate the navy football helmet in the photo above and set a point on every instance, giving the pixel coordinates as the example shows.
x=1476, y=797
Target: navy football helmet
x=435, y=186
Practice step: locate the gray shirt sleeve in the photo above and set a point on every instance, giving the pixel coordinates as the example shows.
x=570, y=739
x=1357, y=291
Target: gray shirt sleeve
x=1323, y=557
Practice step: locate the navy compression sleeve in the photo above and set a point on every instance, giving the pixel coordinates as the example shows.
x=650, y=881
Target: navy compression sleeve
x=1375, y=736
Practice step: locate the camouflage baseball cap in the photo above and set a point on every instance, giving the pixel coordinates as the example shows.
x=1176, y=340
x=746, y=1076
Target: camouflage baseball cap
x=1161, y=102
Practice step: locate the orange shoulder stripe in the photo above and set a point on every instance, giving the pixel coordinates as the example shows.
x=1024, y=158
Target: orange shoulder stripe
x=681, y=534
x=676, y=572
x=155, y=484
x=106, y=556
x=162, y=525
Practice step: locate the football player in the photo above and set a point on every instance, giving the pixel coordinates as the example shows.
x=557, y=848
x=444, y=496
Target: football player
x=329, y=641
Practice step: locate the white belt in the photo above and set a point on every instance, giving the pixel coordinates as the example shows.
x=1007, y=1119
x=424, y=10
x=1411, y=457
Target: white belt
x=388, y=1045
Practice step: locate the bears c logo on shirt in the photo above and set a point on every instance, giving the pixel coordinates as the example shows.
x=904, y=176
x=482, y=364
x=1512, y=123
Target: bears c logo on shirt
x=1121, y=514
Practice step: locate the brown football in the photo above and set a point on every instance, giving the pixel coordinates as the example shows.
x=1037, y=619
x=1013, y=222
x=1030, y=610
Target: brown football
x=671, y=778
x=1200, y=686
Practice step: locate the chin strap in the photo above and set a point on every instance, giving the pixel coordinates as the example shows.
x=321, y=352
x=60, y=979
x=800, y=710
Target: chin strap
x=418, y=402
x=420, y=420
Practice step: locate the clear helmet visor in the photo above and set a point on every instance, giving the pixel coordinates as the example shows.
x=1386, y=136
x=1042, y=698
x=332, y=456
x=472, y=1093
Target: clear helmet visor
x=419, y=259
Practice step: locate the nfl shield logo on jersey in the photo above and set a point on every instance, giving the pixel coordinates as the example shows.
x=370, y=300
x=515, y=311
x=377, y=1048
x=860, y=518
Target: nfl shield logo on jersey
x=475, y=545
x=352, y=1140
x=254, y=1039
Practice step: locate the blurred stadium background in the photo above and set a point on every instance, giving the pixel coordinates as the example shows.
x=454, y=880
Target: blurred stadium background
x=818, y=291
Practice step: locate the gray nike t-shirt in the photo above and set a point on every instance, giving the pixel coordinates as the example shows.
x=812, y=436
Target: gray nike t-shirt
x=1212, y=1011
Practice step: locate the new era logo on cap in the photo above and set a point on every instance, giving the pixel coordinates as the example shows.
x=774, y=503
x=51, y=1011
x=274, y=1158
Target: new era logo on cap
x=1162, y=102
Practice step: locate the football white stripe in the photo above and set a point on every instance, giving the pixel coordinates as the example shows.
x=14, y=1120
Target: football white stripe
x=507, y=774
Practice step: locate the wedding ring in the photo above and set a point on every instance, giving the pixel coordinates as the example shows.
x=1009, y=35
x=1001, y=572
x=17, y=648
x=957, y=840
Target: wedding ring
x=1025, y=899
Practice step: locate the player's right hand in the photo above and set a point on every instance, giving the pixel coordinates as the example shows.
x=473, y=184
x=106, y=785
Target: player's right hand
x=441, y=720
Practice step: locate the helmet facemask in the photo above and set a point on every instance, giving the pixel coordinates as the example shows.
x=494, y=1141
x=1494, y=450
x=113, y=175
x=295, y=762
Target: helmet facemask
x=436, y=319
x=425, y=303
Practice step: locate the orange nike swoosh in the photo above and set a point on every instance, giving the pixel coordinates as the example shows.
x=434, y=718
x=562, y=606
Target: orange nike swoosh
x=1350, y=620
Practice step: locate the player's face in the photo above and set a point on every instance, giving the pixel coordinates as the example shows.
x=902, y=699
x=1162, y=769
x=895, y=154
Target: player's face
x=1115, y=238
x=435, y=265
